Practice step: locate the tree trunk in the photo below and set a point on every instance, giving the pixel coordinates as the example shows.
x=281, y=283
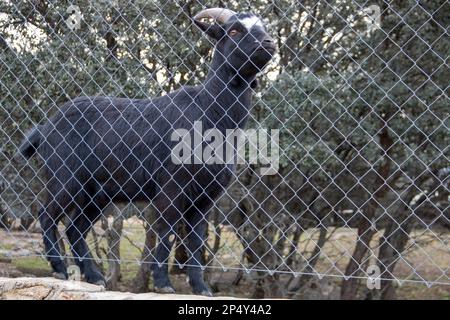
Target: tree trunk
x=393, y=243
x=181, y=256
x=365, y=232
x=315, y=255
x=142, y=279
x=350, y=287
x=113, y=237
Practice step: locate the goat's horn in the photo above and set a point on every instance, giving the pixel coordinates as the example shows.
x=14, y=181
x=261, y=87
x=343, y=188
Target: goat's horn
x=221, y=15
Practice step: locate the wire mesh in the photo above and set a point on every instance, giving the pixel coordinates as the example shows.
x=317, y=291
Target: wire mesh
x=351, y=117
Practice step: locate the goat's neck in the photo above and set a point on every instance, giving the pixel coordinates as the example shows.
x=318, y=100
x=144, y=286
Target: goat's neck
x=231, y=91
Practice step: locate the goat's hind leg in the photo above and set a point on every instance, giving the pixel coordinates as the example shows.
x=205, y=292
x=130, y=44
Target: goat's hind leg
x=76, y=232
x=49, y=217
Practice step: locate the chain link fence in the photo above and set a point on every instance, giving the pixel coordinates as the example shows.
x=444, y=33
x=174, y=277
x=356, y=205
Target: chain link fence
x=357, y=93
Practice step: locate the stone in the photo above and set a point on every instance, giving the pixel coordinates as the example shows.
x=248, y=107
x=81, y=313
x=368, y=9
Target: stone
x=28, y=288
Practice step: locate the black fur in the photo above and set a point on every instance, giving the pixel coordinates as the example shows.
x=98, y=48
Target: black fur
x=32, y=141
x=98, y=150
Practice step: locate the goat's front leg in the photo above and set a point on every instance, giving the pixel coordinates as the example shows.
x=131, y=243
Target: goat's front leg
x=160, y=268
x=196, y=225
x=169, y=215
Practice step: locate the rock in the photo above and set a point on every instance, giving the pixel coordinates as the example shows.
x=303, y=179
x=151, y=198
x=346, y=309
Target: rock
x=44, y=289
x=53, y=289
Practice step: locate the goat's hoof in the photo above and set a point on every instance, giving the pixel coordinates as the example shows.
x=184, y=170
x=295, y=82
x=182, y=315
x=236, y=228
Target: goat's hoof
x=206, y=293
x=59, y=275
x=100, y=283
x=201, y=289
x=166, y=289
x=95, y=278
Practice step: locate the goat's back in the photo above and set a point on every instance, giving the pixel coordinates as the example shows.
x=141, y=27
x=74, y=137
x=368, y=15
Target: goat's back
x=123, y=147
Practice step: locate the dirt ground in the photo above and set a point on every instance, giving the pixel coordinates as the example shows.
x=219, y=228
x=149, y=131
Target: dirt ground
x=20, y=255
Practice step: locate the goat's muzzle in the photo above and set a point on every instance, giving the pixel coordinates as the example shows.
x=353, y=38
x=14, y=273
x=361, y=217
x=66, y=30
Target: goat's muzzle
x=268, y=45
x=263, y=53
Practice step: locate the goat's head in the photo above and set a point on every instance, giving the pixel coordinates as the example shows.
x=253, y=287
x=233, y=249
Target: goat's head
x=241, y=38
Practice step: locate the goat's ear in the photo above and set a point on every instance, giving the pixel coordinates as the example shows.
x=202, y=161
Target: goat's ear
x=214, y=30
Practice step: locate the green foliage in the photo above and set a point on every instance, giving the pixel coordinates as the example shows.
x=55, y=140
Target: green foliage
x=337, y=83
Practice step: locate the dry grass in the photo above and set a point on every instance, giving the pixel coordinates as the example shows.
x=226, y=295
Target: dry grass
x=426, y=259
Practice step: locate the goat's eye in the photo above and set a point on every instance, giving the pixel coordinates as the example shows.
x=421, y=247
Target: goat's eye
x=233, y=32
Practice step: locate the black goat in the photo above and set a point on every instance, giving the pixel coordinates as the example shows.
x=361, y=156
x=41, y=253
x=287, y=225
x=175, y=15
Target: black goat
x=98, y=150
